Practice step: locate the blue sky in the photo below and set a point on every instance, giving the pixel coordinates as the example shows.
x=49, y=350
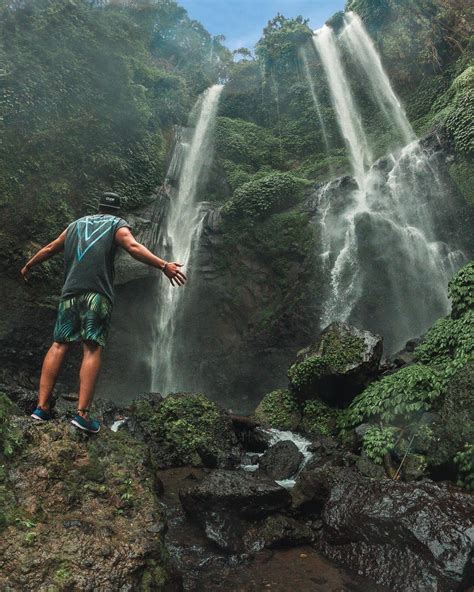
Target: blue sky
x=242, y=21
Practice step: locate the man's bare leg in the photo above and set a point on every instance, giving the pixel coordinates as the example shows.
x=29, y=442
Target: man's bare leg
x=49, y=372
x=90, y=368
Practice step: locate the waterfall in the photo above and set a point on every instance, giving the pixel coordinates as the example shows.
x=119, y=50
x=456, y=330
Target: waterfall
x=316, y=102
x=386, y=266
x=348, y=117
x=181, y=234
x=363, y=50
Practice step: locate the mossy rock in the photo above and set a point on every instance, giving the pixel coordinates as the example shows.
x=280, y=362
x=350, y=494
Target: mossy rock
x=338, y=367
x=318, y=418
x=278, y=409
x=187, y=428
x=76, y=501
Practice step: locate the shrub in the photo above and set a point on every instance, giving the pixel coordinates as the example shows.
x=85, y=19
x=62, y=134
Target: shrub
x=377, y=442
x=185, y=426
x=461, y=291
x=446, y=340
x=303, y=374
x=340, y=349
x=397, y=397
x=260, y=197
x=460, y=121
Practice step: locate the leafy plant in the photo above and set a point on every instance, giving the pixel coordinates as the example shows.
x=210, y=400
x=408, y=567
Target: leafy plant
x=461, y=291
x=303, y=374
x=395, y=398
x=377, y=442
x=340, y=349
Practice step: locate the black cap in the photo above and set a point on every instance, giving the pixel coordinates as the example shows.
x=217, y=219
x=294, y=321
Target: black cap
x=110, y=200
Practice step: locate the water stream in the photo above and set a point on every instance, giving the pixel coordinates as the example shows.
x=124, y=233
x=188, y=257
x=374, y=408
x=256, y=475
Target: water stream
x=192, y=155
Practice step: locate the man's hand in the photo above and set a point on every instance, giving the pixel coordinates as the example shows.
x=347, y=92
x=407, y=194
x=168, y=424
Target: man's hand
x=44, y=254
x=24, y=271
x=174, y=274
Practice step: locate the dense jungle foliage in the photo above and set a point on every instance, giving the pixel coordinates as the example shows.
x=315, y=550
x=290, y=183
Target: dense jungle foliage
x=90, y=92
x=88, y=99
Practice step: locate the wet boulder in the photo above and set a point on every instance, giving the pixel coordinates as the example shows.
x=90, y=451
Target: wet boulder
x=406, y=536
x=278, y=409
x=338, y=366
x=187, y=429
x=282, y=460
x=231, y=505
x=255, y=439
x=279, y=530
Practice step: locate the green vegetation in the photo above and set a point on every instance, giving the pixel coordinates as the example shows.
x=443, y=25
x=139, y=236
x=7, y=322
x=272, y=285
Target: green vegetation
x=340, y=349
x=261, y=197
x=441, y=382
x=461, y=291
x=278, y=409
x=318, y=418
x=378, y=442
x=303, y=375
x=89, y=95
x=186, y=427
x=395, y=398
x=337, y=351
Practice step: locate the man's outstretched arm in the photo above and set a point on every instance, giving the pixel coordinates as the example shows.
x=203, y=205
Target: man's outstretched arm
x=45, y=253
x=125, y=239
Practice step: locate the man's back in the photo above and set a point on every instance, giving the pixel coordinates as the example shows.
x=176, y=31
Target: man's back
x=89, y=253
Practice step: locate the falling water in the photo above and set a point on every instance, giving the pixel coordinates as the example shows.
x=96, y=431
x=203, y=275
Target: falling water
x=363, y=50
x=348, y=116
x=183, y=228
x=387, y=269
x=316, y=102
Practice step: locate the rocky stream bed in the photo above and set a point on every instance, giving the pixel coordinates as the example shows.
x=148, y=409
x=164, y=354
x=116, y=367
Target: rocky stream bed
x=177, y=493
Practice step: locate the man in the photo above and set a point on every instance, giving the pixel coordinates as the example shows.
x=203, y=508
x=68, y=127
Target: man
x=89, y=245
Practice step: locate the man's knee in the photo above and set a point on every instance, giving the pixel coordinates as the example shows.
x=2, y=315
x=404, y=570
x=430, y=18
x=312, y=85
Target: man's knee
x=91, y=347
x=60, y=347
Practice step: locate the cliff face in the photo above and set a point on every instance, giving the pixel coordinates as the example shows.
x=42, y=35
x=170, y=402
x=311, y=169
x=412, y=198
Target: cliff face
x=256, y=288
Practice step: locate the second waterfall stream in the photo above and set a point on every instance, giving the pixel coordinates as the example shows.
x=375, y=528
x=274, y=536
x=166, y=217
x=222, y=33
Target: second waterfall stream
x=385, y=262
x=182, y=228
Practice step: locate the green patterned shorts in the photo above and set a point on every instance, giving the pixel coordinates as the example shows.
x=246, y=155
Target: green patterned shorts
x=83, y=317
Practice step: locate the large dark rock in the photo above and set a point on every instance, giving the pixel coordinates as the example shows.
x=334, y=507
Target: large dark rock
x=255, y=439
x=406, y=536
x=281, y=461
x=231, y=505
x=338, y=366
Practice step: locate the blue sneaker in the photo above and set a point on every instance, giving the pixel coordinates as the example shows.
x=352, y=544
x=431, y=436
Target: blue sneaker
x=88, y=425
x=41, y=414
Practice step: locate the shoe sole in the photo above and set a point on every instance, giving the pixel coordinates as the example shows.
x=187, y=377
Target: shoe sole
x=78, y=425
x=38, y=418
